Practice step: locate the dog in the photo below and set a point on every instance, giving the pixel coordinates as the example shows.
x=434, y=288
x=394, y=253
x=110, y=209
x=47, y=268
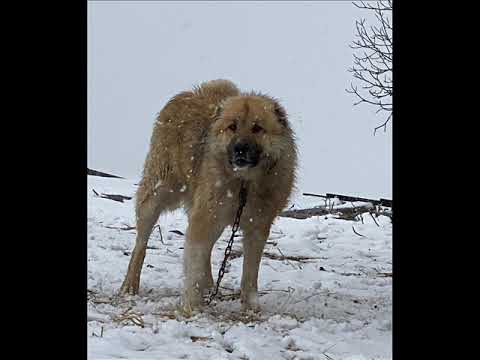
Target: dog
x=205, y=142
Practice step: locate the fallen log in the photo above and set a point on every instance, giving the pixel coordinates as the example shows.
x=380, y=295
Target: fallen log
x=382, y=202
x=346, y=213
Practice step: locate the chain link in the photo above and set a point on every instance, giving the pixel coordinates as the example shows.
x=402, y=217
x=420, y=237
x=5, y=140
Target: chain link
x=228, y=249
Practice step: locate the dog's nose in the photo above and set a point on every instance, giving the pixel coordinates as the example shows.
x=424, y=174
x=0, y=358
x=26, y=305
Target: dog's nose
x=241, y=149
x=243, y=153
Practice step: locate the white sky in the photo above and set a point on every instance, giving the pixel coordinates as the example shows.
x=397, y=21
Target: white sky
x=141, y=53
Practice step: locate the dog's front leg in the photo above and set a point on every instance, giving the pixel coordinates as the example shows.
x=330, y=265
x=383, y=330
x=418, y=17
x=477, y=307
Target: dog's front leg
x=203, y=231
x=253, y=244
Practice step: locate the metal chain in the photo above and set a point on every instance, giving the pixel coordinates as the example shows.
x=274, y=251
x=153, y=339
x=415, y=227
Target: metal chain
x=228, y=249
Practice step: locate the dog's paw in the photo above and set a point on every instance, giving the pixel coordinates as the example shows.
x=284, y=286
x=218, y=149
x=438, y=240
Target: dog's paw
x=129, y=287
x=250, y=303
x=192, y=302
x=187, y=310
x=250, y=308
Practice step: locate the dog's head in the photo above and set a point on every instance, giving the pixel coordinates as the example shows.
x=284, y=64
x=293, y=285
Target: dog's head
x=251, y=132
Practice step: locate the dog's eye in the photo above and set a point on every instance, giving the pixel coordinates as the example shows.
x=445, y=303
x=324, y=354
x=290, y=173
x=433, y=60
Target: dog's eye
x=256, y=129
x=233, y=127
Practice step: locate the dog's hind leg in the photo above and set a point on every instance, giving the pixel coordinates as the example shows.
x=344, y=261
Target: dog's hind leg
x=148, y=209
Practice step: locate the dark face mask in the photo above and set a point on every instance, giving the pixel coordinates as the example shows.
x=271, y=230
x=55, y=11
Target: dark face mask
x=243, y=153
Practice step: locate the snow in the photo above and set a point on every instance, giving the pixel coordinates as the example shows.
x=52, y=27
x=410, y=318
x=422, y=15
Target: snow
x=336, y=305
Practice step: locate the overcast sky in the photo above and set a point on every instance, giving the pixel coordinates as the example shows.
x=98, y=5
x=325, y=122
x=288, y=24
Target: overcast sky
x=141, y=53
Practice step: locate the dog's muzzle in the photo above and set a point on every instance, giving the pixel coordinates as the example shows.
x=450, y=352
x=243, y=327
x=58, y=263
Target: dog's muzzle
x=244, y=154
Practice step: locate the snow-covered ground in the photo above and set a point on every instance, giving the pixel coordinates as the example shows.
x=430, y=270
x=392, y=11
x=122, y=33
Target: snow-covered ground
x=337, y=304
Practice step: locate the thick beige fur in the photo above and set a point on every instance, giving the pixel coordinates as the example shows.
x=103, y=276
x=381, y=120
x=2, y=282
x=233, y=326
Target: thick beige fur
x=188, y=165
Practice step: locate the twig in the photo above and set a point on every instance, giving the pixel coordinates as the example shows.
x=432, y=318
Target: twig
x=275, y=290
x=384, y=274
x=306, y=298
x=236, y=253
x=285, y=304
x=373, y=217
x=136, y=319
x=126, y=228
x=200, y=338
x=288, y=260
x=165, y=314
x=316, y=195
x=327, y=356
x=331, y=203
x=384, y=125
x=102, y=174
x=269, y=265
x=357, y=213
x=115, y=197
x=357, y=232
x=160, y=232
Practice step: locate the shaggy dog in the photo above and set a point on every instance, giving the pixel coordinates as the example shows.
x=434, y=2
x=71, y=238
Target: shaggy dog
x=204, y=143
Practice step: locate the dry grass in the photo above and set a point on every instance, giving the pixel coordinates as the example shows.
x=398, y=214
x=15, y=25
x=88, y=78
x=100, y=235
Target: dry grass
x=236, y=253
x=135, y=318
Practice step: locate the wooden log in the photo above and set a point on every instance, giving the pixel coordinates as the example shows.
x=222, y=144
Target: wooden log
x=386, y=203
x=346, y=213
x=383, y=202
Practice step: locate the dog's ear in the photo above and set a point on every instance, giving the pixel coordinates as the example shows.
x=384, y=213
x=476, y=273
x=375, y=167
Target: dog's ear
x=217, y=111
x=280, y=112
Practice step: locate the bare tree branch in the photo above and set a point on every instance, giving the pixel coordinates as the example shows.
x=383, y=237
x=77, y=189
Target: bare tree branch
x=373, y=66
